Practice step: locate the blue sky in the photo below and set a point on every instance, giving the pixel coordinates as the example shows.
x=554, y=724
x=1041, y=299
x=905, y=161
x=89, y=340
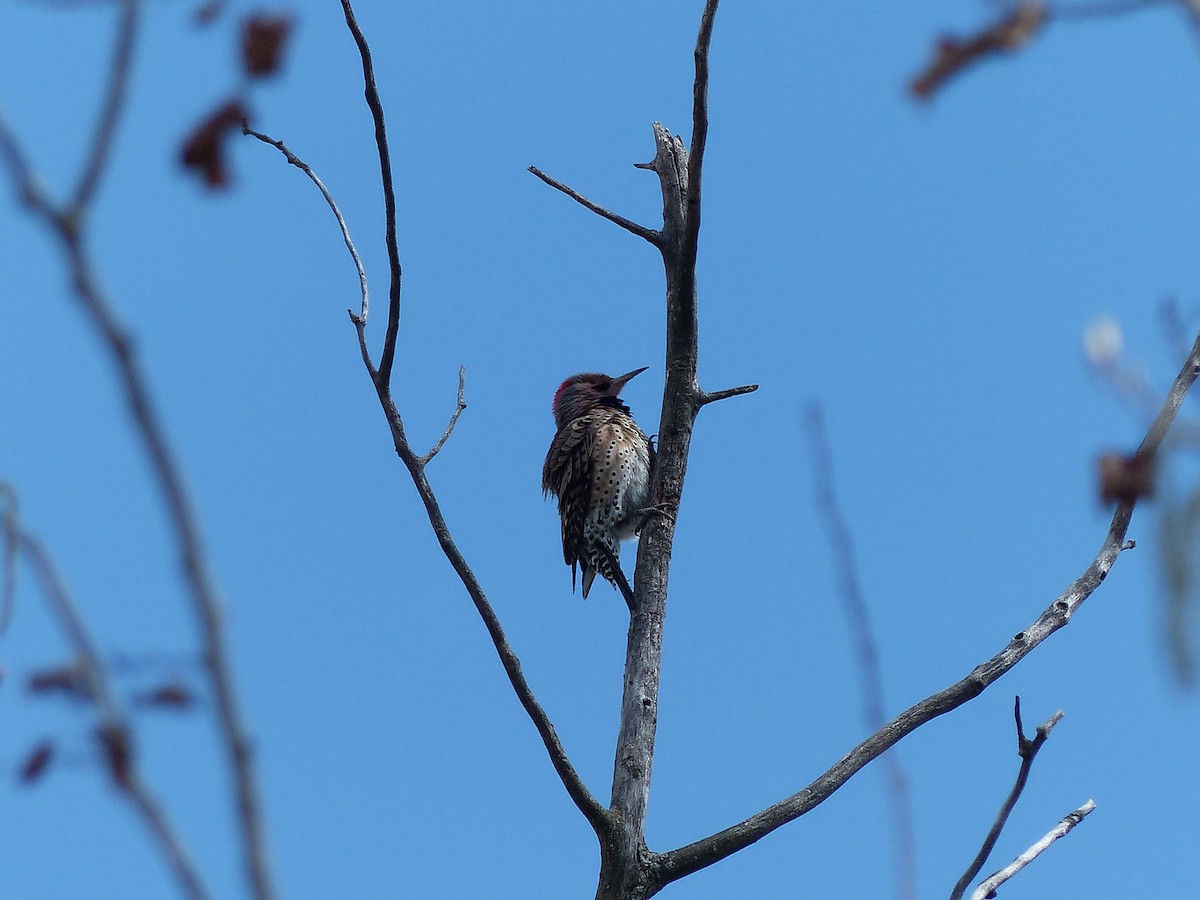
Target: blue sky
x=925, y=272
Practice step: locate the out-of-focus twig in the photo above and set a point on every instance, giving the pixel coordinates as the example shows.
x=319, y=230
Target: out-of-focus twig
x=954, y=55
x=113, y=733
x=854, y=604
x=8, y=577
x=67, y=222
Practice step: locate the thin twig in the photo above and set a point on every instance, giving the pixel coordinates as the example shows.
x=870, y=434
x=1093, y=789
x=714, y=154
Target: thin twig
x=462, y=404
x=304, y=167
x=596, y=814
x=632, y=227
x=113, y=730
x=707, y=397
x=685, y=860
x=1027, y=749
x=992, y=884
x=854, y=604
x=371, y=93
x=66, y=223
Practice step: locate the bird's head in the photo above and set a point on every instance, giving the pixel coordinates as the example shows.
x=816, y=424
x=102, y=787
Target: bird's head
x=581, y=392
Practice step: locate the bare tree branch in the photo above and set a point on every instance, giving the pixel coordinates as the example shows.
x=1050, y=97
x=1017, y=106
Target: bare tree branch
x=641, y=231
x=685, y=860
x=695, y=162
x=304, y=167
x=66, y=223
x=707, y=397
x=596, y=814
x=462, y=404
x=371, y=93
x=1027, y=749
x=627, y=867
x=113, y=731
x=904, y=850
x=992, y=884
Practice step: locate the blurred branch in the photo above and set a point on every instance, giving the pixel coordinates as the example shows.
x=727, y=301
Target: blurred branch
x=1020, y=23
x=1101, y=9
x=954, y=55
x=1193, y=8
x=9, y=519
x=632, y=227
x=854, y=604
x=300, y=164
x=67, y=223
x=1027, y=749
x=596, y=815
x=110, y=112
x=992, y=884
x=113, y=732
x=685, y=860
x=1178, y=528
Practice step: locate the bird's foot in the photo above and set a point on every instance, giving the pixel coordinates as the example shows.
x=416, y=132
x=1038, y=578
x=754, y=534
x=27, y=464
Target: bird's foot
x=647, y=511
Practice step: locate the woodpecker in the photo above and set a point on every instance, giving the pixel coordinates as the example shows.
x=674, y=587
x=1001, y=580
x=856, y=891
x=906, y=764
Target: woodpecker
x=598, y=468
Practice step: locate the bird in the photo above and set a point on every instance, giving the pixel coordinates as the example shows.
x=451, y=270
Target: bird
x=598, y=468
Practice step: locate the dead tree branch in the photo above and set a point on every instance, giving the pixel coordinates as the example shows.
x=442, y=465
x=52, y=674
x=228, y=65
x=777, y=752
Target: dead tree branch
x=1027, y=749
x=990, y=885
x=371, y=93
x=854, y=604
x=685, y=860
x=632, y=227
x=707, y=398
x=596, y=815
x=627, y=868
x=462, y=404
x=304, y=167
x=67, y=224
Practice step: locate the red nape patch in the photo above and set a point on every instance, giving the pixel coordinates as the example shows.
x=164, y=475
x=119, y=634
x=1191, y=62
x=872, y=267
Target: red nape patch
x=562, y=387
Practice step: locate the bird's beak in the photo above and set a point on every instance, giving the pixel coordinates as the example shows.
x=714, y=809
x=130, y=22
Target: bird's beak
x=619, y=383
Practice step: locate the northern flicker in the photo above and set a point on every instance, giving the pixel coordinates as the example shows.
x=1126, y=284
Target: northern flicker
x=598, y=468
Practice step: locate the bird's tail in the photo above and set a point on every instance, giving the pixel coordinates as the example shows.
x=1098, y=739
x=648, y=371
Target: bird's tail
x=601, y=563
